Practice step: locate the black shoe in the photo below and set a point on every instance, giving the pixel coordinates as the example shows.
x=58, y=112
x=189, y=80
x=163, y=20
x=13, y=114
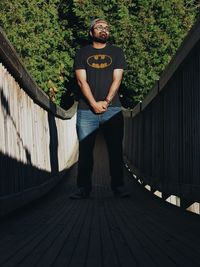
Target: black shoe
x=120, y=192
x=80, y=192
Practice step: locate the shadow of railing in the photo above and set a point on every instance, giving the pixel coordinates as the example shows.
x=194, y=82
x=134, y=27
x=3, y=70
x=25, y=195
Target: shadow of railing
x=16, y=187
x=53, y=143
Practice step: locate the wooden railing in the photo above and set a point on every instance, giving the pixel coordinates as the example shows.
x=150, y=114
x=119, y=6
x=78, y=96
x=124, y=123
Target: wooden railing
x=162, y=134
x=38, y=141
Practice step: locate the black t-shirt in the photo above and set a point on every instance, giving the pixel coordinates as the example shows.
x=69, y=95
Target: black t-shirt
x=99, y=65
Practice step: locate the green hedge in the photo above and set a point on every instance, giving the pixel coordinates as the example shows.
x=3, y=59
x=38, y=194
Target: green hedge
x=46, y=35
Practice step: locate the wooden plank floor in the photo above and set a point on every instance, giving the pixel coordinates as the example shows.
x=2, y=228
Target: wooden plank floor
x=101, y=231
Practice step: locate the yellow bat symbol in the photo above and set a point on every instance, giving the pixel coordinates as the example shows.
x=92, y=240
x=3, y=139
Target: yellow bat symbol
x=99, y=61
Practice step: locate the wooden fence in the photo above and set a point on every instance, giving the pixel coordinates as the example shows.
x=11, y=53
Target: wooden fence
x=38, y=141
x=162, y=134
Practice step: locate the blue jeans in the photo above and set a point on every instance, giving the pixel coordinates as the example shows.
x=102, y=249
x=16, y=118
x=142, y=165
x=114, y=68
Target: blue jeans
x=111, y=122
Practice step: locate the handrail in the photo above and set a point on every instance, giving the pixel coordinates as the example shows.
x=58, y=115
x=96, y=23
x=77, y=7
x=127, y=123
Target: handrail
x=38, y=141
x=162, y=132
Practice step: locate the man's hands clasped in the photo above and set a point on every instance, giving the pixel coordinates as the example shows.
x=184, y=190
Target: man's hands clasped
x=100, y=106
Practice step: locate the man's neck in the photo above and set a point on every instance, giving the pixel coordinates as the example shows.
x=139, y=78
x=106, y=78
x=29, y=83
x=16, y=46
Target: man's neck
x=98, y=45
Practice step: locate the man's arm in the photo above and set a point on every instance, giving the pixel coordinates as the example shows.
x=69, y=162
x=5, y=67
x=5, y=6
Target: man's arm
x=99, y=106
x=117, y=78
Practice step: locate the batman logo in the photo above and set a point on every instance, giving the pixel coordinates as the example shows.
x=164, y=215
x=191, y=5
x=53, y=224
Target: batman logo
x=99, y=61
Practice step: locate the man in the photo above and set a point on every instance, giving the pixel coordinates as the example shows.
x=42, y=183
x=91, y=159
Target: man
x=99, y=69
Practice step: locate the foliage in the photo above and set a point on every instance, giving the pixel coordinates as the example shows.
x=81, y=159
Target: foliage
x=47, y=33
x=42, y=41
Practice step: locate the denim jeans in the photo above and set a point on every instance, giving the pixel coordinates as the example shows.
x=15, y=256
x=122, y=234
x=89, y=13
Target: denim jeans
x=111, y=124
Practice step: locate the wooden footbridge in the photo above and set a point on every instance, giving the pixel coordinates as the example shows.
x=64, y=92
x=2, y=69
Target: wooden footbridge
x=41, y=226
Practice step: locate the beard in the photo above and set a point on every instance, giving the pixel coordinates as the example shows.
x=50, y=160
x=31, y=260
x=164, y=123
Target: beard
x=102, y=38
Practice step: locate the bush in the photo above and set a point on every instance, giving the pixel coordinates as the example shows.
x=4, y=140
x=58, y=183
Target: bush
x=46, y=35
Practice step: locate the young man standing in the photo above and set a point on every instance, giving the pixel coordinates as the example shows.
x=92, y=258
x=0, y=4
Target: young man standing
x=99, y=69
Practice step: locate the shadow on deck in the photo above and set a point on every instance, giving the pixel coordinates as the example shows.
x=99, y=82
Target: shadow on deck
x=101, y=231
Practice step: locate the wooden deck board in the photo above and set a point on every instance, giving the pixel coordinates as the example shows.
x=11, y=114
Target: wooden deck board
x=136, y=241
x=62, y=250
x=154, y=241
x=26, y=246
x=101, y=231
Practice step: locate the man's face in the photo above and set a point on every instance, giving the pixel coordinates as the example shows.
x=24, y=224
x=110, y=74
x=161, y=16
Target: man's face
x=100, y=32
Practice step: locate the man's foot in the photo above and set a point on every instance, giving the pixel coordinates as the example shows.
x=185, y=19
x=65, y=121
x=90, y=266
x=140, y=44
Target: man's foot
x=120, y=192
x=80, y=192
